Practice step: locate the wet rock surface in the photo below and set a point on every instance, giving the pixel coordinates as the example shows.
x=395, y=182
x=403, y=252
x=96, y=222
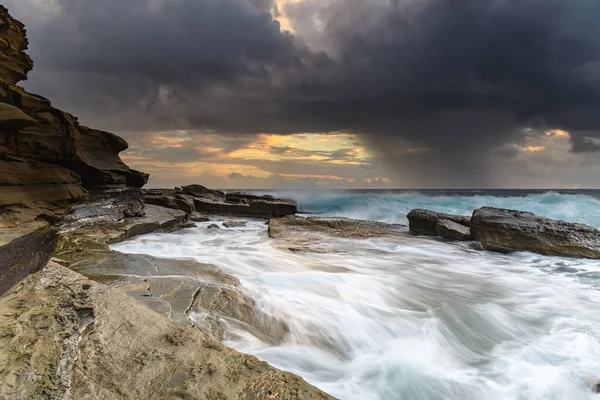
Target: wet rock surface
x=300, y=229
x=235, y=224
x=509, y=230
x=424, y=222
x=451, y=230
x=64, y=336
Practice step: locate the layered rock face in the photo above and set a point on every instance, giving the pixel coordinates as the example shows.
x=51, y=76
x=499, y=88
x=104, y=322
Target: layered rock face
x=509, y=230
x=46, y=156
x=197, y=198
x=48, y=161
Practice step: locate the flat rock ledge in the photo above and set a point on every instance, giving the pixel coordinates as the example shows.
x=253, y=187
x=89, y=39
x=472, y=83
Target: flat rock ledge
x=67, y=337
x=300, y=229
x=199, y=199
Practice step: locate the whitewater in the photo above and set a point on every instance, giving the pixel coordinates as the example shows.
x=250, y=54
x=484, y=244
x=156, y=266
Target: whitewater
x=414, y=318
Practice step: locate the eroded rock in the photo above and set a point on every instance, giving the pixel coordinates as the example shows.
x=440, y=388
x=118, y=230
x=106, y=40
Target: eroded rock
x=509, y=230
x=64, y=335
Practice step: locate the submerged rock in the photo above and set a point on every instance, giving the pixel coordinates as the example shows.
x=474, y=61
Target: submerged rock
x=452, y=231
x=509, y=230
x=424, y=222
x=235, y=224
x=213, y=226
x=66, y=336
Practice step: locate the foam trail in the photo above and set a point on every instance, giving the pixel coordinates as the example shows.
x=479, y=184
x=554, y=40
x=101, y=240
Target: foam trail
x=409, y=318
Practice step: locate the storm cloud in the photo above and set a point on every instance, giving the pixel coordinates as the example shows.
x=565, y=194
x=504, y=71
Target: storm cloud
x=458, y=78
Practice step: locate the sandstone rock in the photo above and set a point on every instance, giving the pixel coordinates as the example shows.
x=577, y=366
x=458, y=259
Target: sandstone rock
x=24, y=250
x=78, y=237
x=12, y=119
x=235, y=224
x=424, y=222
x=15, y=215
x=14, y=63
x=64, y=336
x=42, y=133
x=300, y=229
x=452, y=231
x=27, y=181
x=509, y=230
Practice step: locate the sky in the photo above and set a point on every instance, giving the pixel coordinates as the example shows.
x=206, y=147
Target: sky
x=331, y=93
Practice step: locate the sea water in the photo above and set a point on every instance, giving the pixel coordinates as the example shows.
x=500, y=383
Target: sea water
x=415, y=318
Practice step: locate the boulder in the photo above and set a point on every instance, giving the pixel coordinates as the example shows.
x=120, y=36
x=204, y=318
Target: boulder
x=64, y=336
x=452, y=231
x=509, y=230
x=213, y=226
x=235, y=224
x=185, y=203
x=424, y=222
x=24, y=250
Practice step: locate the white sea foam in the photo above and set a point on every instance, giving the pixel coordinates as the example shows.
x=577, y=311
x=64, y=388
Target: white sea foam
x=410, y=318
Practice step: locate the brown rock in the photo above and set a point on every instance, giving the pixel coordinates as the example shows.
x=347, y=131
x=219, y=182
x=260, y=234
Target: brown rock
x=28, y=181
x=12, y=119
x=509, y=230
x=14, y=63
x=24, y=250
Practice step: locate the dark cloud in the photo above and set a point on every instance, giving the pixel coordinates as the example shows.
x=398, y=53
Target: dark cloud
x=459, y=77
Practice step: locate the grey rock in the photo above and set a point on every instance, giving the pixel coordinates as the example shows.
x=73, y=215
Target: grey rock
x=452, y=231
x=235, y=224
x=424, y=222
x=213, y=226
x=505, y=231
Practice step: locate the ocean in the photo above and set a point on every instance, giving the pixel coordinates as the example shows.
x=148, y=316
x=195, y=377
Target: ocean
x=415, y=318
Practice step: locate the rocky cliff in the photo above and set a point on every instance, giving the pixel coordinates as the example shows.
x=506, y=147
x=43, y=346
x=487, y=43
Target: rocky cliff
x=46, y=156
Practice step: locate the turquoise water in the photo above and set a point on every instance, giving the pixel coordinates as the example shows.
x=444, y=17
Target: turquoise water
x=392, y=206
